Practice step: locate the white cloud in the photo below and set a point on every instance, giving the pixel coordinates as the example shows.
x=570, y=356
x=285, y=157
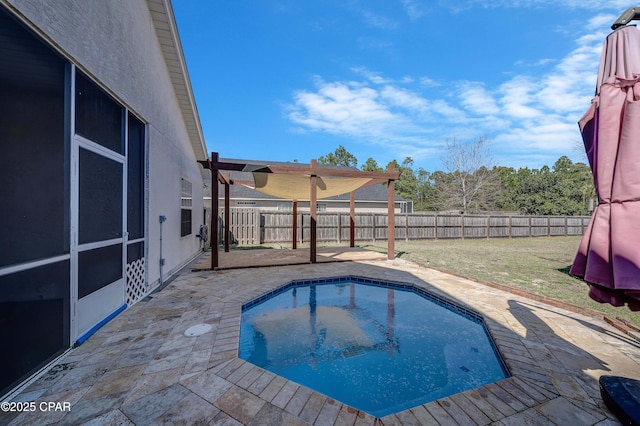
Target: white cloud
x=601, y=21
x=517, y=96
x=571, y=4
x=428, y=82
x=528, y=116
x=403, y=98
x=413, y=9
x=350, y=109
x=374, y=77
x=475, y=98
x=378, y=21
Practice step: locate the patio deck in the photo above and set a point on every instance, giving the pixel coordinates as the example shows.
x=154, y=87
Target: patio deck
x=140, y=368
x=253, y=258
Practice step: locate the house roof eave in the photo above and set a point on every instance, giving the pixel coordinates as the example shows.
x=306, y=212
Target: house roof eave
x=169, y=39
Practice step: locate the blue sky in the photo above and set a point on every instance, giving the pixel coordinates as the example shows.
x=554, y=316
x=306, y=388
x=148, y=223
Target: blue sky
x=290, y=79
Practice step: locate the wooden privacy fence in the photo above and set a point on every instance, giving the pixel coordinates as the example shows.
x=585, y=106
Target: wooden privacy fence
x=252, y=227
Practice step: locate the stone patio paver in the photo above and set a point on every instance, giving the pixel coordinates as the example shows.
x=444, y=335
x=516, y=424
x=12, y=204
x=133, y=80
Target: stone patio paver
x=140, y=368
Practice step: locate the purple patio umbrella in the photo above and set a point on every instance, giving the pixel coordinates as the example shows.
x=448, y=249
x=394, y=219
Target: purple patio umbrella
x=609, y=255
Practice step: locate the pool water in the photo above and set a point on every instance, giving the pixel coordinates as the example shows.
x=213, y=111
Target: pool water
x=379, y=347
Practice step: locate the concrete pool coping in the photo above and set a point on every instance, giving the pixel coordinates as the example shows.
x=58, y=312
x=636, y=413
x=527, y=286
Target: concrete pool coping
x=141, y=369
x=256, y=258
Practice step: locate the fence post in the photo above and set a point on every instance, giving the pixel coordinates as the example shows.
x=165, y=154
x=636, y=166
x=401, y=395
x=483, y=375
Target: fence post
x=257, y=226
x=462, y=225
x=566, y=226
x=373, y=227
x=548, y=226
x=510, y=231
x=406, y=227
x=530, y=234
x=339, y=228
x=488, y=226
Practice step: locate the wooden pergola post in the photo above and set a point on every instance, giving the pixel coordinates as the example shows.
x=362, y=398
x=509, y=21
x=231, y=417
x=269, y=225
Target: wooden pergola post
x=215, y=206
x=313, y=193
x=227, y=213
x=294, y=239
x=391, y=216
x=352, y=219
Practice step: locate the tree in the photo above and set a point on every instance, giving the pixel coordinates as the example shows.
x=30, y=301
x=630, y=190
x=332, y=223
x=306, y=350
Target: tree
x=468, y=167
x=425, y=197
x=341, y=157
x=371, y=165
x=407, y=184
x=506, y=176
x=564, y=189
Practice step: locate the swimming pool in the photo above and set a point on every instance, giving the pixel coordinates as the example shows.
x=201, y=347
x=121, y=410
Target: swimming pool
x=378, y=346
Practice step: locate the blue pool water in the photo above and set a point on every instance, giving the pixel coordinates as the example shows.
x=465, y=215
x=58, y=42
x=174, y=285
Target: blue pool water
x=379, y=347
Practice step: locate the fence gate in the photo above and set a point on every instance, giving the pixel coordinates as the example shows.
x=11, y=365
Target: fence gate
x=244, y=226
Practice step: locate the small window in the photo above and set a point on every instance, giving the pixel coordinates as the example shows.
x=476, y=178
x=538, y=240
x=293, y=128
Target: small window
x=186, y=205
x=321, y=207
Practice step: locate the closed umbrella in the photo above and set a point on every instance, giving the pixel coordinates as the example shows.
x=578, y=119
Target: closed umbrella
x=609, y=254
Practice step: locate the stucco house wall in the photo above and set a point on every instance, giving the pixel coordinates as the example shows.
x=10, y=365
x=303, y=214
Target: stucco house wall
x=116, y=42
x=130, y=50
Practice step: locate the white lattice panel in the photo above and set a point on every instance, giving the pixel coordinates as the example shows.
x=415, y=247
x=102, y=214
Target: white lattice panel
x=136, y=286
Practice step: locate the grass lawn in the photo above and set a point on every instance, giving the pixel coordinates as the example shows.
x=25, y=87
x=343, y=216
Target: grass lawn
x=538, y=265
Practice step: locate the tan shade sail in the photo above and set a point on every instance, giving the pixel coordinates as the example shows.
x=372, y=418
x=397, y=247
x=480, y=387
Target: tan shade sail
x=297, y=187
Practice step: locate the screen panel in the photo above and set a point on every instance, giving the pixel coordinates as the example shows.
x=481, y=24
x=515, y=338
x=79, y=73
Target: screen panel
x=34, y=320
x=98, y=268
x=33, y=163
x=100, y=212
x=98, y=117
x=136, y=177
x=135, y=251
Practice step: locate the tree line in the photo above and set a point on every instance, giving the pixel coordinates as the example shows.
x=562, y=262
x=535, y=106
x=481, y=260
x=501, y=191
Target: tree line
x=470, y=185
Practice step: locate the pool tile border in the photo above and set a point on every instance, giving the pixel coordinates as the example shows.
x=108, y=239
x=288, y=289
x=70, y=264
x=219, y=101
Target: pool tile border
x=442, y=301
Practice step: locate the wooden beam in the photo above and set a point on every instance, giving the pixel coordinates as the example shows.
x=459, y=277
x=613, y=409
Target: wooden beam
x=224, y=178
x=224, y=165
x=215, y=206
x=391, y=216
x=227, y=214
x=243, y=182
x=251, y=183
x=312, y=210
x=205, y=163
x=329, y=172
x=352, y=219
x=294, y=239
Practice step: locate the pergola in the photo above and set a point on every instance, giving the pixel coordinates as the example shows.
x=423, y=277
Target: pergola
x=296, y=182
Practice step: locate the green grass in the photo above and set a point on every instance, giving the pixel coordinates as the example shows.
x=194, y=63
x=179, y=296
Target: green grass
x=537, y=265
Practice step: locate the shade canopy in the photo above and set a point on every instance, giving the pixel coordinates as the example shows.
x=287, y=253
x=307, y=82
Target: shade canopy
x=609, y=255
x=296, y=187
x=294, y=181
